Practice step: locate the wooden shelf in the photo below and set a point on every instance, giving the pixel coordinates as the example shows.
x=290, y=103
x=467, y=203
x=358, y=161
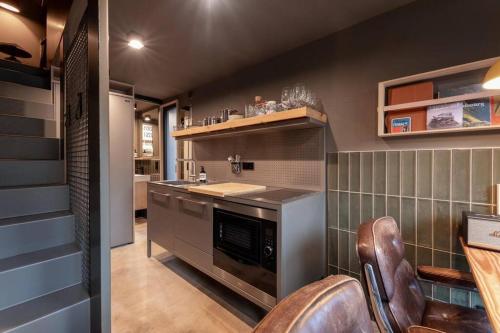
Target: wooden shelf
x=444, y=131
x=444, y=100
x=296, y=118
x=383, y=109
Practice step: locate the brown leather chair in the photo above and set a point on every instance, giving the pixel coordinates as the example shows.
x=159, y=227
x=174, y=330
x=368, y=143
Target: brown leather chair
x=335, y=304
x=396, y=296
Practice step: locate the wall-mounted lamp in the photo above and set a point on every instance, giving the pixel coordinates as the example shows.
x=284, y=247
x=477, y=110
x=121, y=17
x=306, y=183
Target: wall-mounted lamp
x=135, y=41
x=10, y=5
x=492, y=77
x=147, y=118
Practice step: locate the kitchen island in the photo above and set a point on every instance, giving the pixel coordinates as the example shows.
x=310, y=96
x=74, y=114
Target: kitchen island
x=263, y=245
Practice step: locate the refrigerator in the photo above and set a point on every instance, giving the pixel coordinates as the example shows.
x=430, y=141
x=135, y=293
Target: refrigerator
x=121, y=169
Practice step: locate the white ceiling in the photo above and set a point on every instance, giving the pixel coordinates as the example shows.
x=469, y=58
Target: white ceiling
x=192, y=42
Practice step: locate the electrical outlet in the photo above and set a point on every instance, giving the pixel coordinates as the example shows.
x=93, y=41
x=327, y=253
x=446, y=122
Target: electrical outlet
x=248, y=166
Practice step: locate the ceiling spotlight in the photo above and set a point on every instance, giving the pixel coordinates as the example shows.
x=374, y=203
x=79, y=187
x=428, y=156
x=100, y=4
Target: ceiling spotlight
x=147, y=118
x=135, y=41
x=9, y=6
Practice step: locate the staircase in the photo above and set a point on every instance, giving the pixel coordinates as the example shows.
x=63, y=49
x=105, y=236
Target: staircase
x=40, y=263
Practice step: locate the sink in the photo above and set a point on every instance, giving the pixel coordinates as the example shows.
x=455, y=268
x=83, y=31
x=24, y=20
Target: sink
x=178, y=183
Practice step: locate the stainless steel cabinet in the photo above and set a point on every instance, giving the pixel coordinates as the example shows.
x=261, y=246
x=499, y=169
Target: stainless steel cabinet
x=161, y=217
x=178, y=221
x=194, y=221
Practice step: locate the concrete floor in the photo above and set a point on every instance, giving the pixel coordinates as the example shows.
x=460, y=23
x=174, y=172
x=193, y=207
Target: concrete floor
x=164, y=294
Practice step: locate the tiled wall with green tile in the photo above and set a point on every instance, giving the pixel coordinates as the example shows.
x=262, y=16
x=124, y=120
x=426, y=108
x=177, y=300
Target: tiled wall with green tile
x=424, y=190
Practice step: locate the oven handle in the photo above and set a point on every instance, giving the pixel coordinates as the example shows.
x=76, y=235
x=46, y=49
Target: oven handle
x=199, y=203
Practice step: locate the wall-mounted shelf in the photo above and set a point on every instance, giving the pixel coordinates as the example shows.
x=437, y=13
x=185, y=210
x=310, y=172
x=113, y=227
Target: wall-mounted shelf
x=444, y=130
x=444, y=100
x=385, y=109
x=291, y=119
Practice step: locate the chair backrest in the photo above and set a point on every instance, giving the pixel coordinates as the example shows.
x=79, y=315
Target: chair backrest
x=396, y=296
x=335, y=304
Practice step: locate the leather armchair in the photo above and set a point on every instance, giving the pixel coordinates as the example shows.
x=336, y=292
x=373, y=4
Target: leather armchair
x=335, y=304
x=397, y=300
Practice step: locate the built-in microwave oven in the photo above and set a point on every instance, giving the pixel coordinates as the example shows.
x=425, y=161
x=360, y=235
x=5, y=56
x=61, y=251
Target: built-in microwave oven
x=245, y=244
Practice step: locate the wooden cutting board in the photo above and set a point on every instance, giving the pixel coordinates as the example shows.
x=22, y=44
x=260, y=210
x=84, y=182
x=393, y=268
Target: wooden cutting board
x=223, y=189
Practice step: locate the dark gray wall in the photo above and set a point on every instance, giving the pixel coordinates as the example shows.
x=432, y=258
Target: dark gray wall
x=344, y=69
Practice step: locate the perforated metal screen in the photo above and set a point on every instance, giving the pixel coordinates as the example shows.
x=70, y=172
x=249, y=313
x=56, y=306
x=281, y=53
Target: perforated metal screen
x=77, y=147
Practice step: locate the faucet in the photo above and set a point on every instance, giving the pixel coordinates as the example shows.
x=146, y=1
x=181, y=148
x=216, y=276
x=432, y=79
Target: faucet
x=192, y=171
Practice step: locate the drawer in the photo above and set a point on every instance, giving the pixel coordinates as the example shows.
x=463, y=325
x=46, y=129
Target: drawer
x=161, y=217
x=194, y=221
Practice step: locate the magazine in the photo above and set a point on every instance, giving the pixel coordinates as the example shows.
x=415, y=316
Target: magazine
x=445, y=116
x=477, y=113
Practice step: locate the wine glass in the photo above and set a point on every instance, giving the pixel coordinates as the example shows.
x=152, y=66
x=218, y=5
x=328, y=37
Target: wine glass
x=285, y=97
x=299, y=95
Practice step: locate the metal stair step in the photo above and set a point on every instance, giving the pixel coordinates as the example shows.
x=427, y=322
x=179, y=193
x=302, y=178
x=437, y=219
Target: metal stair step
x=19, y=107
x=24, y=234
x=65, y=310
x=26, y=93
x=28, y=148
x=18, y=125
x=30, y=275
x=21, y=201
x=28, y=173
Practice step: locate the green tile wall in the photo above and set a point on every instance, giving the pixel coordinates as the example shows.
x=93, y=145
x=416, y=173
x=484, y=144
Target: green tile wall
x=424, y=190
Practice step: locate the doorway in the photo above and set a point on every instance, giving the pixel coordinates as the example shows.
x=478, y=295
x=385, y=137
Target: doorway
x=169, y=116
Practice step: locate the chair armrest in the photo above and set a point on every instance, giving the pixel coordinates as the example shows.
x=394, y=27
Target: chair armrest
x=422, y=329
x=447, y=276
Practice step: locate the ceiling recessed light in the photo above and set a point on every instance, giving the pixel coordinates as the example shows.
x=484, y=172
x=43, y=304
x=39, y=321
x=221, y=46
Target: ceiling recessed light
x=135, y=44
x=9, y=6
x=147, y=118
x=135, y=41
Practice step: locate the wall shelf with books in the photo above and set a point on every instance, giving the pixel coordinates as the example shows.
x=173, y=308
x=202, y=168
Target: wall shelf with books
x=448, y=100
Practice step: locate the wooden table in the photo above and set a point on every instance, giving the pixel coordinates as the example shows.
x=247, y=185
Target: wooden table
x=485, y=267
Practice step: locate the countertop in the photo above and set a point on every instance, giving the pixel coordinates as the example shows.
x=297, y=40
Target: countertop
x=272, y=195
x=142, y=178
x=276, y=195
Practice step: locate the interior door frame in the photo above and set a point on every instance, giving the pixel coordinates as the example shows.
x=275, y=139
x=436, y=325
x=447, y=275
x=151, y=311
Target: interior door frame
x=160, y=131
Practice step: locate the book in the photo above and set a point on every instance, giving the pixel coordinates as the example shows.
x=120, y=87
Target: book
x=406, y=94
x=410, y=93
x=495, y=110
x=445, y=116
x=401, y=125
x=477, y=113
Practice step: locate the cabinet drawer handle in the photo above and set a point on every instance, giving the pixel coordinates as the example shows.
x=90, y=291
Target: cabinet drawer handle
x=199, y=203
x=165, y=195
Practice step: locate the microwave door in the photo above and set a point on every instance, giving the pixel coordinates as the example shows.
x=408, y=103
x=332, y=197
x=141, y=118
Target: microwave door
x=237, y=236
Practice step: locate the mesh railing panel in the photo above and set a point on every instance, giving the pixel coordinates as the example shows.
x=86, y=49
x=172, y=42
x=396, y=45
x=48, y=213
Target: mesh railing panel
x=77, y=147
